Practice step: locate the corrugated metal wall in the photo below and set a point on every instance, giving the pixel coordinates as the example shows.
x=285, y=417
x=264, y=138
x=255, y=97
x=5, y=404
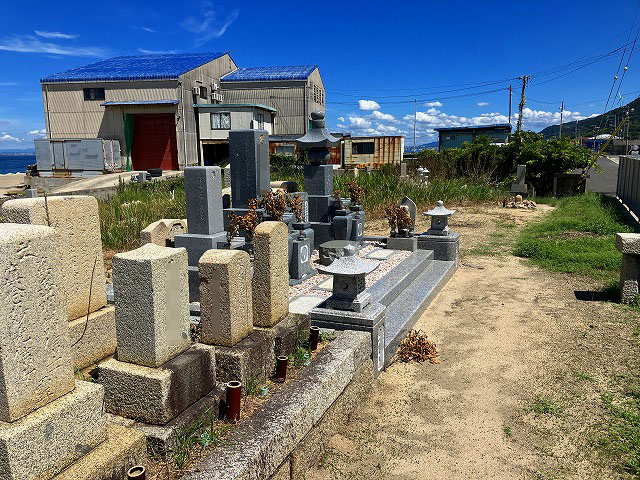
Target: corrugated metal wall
x=387, y=149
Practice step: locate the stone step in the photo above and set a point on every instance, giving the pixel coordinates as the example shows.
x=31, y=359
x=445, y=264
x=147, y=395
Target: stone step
x=405, y=309
x=386, y=289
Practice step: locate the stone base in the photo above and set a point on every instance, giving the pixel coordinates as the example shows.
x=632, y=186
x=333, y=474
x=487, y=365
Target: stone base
x=97, y=341
x=322, y=232
x=291, y=332
x=408, y=244
x=194, y=284
x=354, y=305
x=629, y=278
x=445, y=247
x=161, y=439
x=250, y=357
x=371, y=319
x=157, y=395
x=48, y=440
x=519, y=189
x=123, y=449
x=197, y=244
x=295, y=281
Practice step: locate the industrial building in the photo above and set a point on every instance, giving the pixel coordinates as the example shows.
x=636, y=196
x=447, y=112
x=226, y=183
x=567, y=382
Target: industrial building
x=360, y=152
x=156, y=111
x=454, y=137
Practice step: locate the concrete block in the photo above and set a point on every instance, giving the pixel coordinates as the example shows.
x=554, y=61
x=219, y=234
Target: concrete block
x=270, y=282
x=445, y=247
x=35, y=358
x=123, y=449
x=163, y=232
x=51, y=438
x=628, y=243
x=629, y=274
x=251, y=357
x=157, y=395
x=225, y=297
x=75, y=219
x=290, y=333
x=152, y=304
x=95, y=339
x=380, y=254
x=409, y=244
x=203, y=189
x=310, y=450
x=196, y=244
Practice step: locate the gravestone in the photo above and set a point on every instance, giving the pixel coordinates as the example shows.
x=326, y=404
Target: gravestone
x=226, y=313
x=520, y=186
x=270, y=274
x=410, y=206
x=629, y=245
x=152, y=304
x=403, y=170
x=249, y=157
x=227, y=176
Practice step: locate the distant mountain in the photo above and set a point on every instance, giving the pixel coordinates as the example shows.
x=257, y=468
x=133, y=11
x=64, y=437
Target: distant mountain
x=589, y=126
x=424, y=146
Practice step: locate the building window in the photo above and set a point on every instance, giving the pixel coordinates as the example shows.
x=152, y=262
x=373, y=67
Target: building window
x=286, y=149
x=260, y=120
x=203, y=92
x=363, y=148
x=221, y=121
x=93, y=93
x=318, y=95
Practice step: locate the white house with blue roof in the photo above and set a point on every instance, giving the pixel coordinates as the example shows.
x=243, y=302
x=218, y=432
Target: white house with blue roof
x=150, y=103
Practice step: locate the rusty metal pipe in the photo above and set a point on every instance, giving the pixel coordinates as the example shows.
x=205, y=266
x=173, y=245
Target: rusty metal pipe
x=234, y=392
x=137, y=473
x=314, y=334
x=281, y=368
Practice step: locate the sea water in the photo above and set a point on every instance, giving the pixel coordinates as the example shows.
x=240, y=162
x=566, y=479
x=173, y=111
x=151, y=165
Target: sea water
x=15, y=163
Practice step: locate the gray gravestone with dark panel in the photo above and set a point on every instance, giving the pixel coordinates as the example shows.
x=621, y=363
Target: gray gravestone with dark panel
x=249, y=157
x=203, y=189
x=318, y=179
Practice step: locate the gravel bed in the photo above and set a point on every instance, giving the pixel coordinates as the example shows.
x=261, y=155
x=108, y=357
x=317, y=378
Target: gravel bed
x=308, y=287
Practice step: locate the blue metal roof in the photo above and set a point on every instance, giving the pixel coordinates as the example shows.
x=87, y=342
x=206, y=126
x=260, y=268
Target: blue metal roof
x=499, y=126
x=268, y=74
x=137, y=67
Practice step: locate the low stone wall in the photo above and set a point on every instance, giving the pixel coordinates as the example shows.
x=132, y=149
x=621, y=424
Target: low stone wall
x=288, y=435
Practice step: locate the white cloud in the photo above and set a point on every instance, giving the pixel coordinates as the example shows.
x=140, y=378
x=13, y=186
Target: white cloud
x=483, y=104
x=65, y=36
x=378, y=115
x=536, y=119
x=31, y=44
x=341, y=119
x=433, y=104
x=155, y=52
x=208, y=24
x=368, y=105
x=5, y=137
x=144, y=29
x=41, y=131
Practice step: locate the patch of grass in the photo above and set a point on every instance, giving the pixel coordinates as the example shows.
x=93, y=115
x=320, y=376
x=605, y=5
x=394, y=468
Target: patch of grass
x=296, y=359
x=577, y=237
x=135, y=206
x=551, y=201
x=582, y=375
x=252, y=385
x=544, y=406
x=204, y=432
x=507, y=431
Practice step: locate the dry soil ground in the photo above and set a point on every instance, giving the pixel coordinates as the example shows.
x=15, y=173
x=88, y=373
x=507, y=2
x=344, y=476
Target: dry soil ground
x=512, y=339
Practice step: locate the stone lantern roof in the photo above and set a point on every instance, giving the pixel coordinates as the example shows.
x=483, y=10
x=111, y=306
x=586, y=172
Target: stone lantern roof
x=350, y=264
x=318, y=135
x=440, y=210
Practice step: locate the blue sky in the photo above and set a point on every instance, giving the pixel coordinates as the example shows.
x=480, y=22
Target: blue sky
x=374, y=57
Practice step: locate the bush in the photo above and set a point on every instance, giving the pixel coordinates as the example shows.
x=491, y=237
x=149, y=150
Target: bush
x=481, y=161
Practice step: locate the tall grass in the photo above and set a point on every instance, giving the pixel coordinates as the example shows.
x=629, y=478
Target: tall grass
x=137, y=205
x=577, y=237
x=383, y=187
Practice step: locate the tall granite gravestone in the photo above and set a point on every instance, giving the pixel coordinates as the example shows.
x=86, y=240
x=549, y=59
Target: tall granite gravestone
x=249, y=157
x=520, y=187
x=203, y=188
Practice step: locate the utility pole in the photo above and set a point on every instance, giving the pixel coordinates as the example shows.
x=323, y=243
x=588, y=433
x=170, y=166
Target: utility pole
x=525, y=79
x=510, y=96
x=561, y=112
x=415, y=116
x=576, y=132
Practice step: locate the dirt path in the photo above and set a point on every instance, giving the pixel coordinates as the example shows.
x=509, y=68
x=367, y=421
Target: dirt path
x=513, y=341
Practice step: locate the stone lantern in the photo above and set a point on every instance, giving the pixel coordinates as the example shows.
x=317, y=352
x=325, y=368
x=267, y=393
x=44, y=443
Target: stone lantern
x=439, y=219
x=318, y=140
x=349, y=274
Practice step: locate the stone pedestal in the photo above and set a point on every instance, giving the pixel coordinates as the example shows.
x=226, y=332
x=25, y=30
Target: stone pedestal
x=163, y=232
x=342, y=225
x=270, y=274
x=371, y=319
x=196, y=244
x=409, y=244
x=445, y=247
x=225, y=297
x=152, y=304
x=332, y=250
x=318, y=179
x=629, y=245
x=300, y=248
